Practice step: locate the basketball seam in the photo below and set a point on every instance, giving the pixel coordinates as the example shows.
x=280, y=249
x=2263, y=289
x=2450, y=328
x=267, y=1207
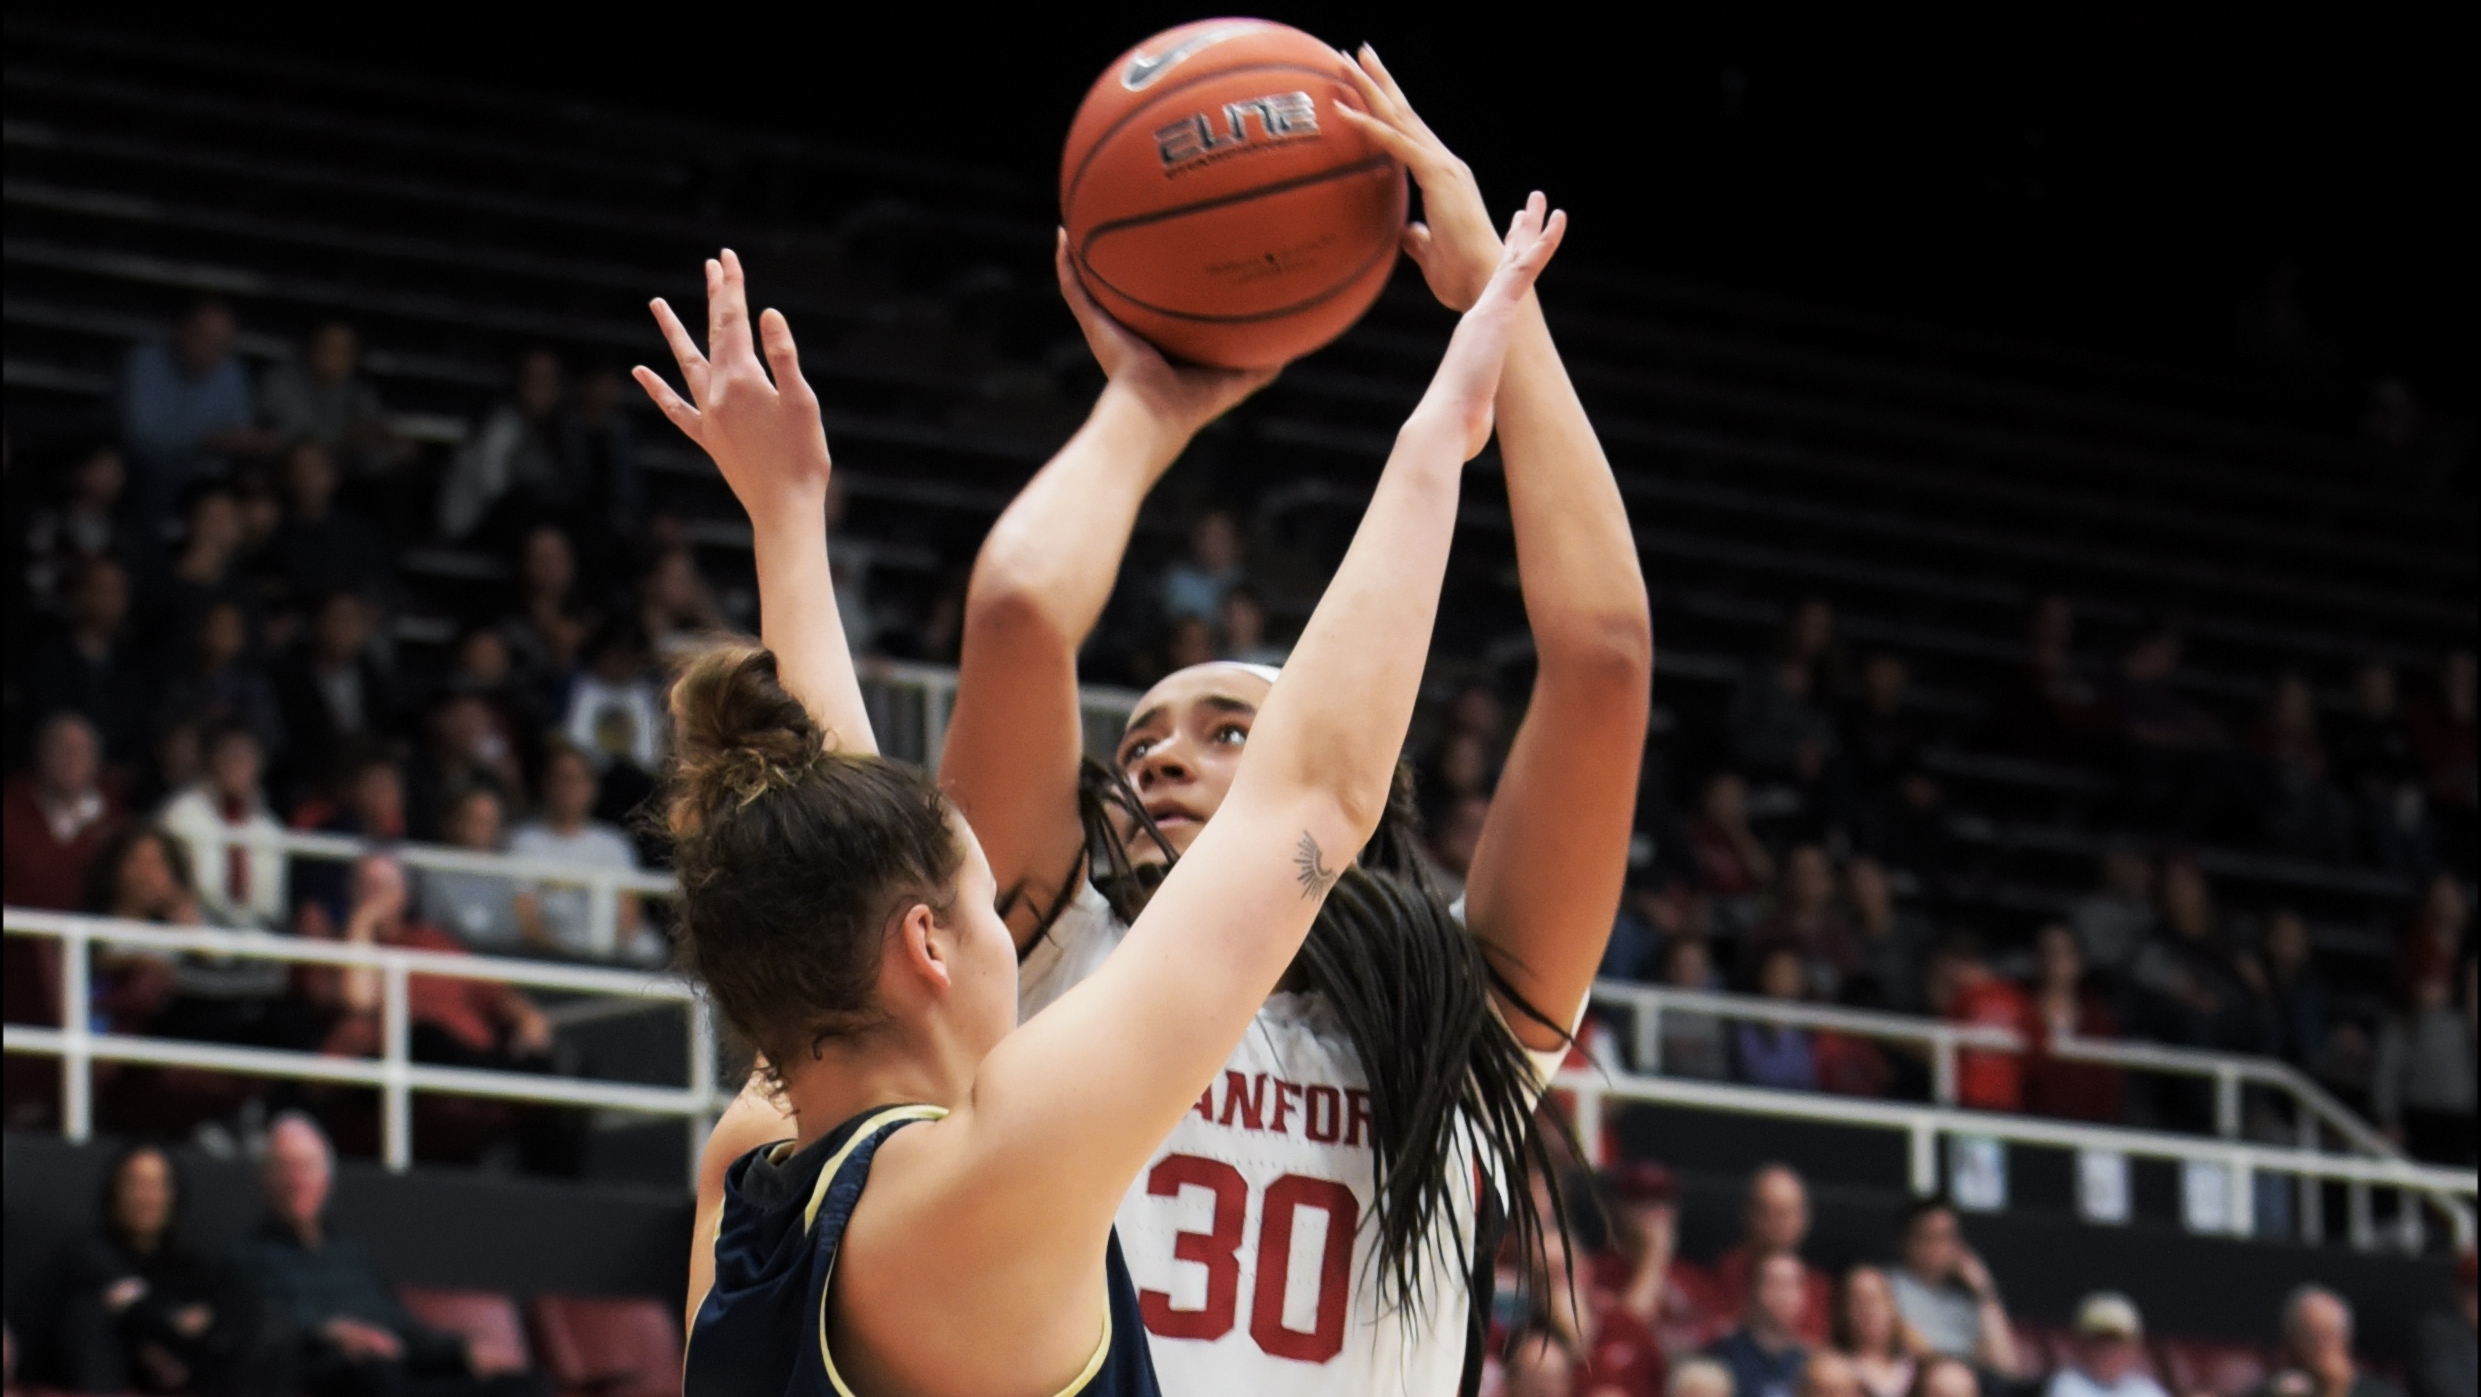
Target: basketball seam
x=1094, y=148
x=1385, y=253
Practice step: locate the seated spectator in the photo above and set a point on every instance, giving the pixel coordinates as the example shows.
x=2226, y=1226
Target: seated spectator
x=367, y=802
x=1538, y=1364
x=58, y=815
x=2110, y=1352
x=1880, y=742
x=456, y=1022
x=601, y=453
x=1694, y=1044
x=2174, y=753
x=322, y=546
x=2054, y=712
x=559, y=916
x=83, y=525
x=133, y=1308
x=223, y=684
x=1765, y=1354
x=2317, y=1356
x=1776, y=1055
x=242, y=882
x=211, y=563
x=1195, y=585
x=2062, y=1007
x=2421, y=1090
x=333, y=691
x=2295, y=992
x=356, y=1337
x=1893, y=941
x=2114, y=921
x=1943, y=1376
x=1192, y=641
x=1805, y=918
x=143, y=875
x=2443, y=1352
x=675, y=606
x=2299, y=810
x=1699, y=1377
x=1779, y=723
x=185, y=410
x=1869, y=1331
x=1640, y=1274
x=614, y=709
x=549, y=626
x=1775, y=1222
x=1830, y=1374
x=1947, y=1295
x=482, y=667
x=321, y=395
x=1453, y=835
x=512, y=472
x=469, y=746
x=2380, y=772
x=2443, y=739
x=2191, y=984
x=93, y=666
x=481, y=908
x=1244, y=630
x=1731, y=862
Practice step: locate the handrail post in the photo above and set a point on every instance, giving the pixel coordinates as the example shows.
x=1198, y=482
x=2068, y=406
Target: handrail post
x=602, y=915
x=396, y=1058
x=2243, y=1198
x=1923, y=1133
x=1588, y=1100
x=77, y=1069
x=1650, y=1036
x=2363, y=1225
x=2227, y=1102
x=701, y=1079
x=1943, y=1067
x=935, y=708
x=2311, y=1189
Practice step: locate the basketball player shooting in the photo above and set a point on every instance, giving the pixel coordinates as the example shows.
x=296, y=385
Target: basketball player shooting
x=844, y=919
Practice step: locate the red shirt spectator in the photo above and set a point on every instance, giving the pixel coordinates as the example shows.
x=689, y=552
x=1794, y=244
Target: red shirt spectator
x=1646, y=1301
x=2072, y=1090
x=489, y=1021
x=1776, y=1220
x=56, y=818
x=1966, y=992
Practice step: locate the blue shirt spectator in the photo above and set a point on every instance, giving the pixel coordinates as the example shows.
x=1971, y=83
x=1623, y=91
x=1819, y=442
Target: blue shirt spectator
x=1765, y=1354
x=184, y=408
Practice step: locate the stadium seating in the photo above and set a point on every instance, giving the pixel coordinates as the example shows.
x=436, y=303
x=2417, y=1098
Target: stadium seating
x=486, y=1321
x=594, y=1347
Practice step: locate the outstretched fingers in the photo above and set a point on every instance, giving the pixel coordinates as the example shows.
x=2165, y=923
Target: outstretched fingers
x=727, y=310
x=684, y=349
x=680, y=413
x=775, y=334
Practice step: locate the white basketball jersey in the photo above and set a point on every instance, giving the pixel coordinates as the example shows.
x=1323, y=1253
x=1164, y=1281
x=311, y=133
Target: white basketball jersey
x=1245, y=1234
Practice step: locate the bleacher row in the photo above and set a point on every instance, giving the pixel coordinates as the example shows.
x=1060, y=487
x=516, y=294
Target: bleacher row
x=1933, y=484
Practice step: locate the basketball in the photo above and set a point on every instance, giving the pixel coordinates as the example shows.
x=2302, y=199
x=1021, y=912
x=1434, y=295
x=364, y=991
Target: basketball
x=1215, y=206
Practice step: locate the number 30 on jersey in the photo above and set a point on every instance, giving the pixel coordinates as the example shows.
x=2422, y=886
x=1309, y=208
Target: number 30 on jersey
x=1219, y=1252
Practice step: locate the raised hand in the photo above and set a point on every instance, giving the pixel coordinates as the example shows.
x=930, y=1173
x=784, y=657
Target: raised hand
x=1185, y=397
x=1468, y=376
x=1456, y=248
x=763, y=435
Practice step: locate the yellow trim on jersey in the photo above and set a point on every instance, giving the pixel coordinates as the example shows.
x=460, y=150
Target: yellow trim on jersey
x=1093, y=1365
x=868, y=1127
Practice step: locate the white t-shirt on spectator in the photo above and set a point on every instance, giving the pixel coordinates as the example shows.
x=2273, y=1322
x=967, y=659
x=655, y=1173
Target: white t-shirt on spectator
x=243, y=884
x=1948, y=1319
x=568, y=908
x=2074, y=1382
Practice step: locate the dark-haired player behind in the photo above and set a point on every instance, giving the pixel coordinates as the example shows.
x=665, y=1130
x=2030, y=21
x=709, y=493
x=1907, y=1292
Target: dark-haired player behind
x=844, y=920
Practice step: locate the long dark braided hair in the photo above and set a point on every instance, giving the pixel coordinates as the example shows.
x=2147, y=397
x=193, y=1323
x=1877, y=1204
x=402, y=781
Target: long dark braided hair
x=1412, y=990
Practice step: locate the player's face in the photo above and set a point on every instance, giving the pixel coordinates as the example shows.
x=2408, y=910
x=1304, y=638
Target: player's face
x=1181, y=749
x=985, y=976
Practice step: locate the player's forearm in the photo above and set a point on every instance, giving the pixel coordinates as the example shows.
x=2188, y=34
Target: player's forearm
x=1053, y=556
x=1575, y=555
x=799, y=621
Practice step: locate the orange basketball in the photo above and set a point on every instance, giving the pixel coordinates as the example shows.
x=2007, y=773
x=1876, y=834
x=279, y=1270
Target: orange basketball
x=1216, y=206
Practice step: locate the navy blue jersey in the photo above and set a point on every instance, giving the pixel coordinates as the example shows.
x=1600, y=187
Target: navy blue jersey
x=762, y=1330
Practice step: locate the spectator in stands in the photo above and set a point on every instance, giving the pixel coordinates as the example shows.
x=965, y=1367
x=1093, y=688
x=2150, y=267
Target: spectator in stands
x=210, y=565
x=1947, y=1295
x=1452, y=836
x=2443, y=738
x=676, y=607
x=2114, y=921
x=1830, y=1374
x=1893, y=941
x=1965, y=990
x=333, y=691
x=2422, y=1089
x=512, y=472
x=1766, y=1354
x=2299, y=810
x=1879, y=747
x=2174, y=770
x=1640, y=1275
x=1694, y=1044
x=2298, y=1003
x=321, y=395
x=614, y=710
x=2195, y=993
x=224, y=684
x=1805, y=917
x=1945, y=1376
x=1195, y=585
x=1779, y=715
x=322, y=546
x=58, y=815
x=481, y=666
x=549, y=627
x=2054, y=712
x=559, y=916
x=481, y=908
x=1777, y=1055
x=93, y=666
x=1244, y=629
x=185, y=410
x=2110, y=1352
x=2377, y=766
x=2443, y=1351
x=1699, y=1377
x=367, y=802
x=133, y=1308
x=143, y=875
x=1774, y=1221
x=1731, y=862
x=601, y=455
x=1870, y=1332
x=84, y=524
x=2317, y=1351
x=469, y=747
x=2063, y=1007
x=240, y=882
x=356, y=1337
x=1538, y=1364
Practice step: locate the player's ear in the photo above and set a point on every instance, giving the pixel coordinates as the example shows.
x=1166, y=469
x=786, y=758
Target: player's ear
x=925, y=947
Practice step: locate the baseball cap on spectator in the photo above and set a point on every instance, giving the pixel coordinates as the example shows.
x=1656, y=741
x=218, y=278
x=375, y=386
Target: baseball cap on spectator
x=1644, y=1181
x=2107, y=1314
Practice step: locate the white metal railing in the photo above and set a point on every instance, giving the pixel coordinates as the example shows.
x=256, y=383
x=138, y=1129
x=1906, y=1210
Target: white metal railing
x=2452, y=1191
x=910, y=705
x=394, y=1072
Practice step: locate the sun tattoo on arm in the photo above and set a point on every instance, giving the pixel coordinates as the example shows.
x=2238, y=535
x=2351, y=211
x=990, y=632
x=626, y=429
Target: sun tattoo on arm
x=1312, y=865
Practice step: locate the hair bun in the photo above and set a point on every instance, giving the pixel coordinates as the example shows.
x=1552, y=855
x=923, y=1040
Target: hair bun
x=740, y=732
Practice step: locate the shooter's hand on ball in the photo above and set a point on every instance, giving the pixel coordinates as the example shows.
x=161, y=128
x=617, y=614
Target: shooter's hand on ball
x=764, y=435
x=1454, y=243
x=1184, y=397
x=1461, y=393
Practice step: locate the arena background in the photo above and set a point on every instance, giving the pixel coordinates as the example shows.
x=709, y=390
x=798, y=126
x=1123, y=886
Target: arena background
x=1925, y=316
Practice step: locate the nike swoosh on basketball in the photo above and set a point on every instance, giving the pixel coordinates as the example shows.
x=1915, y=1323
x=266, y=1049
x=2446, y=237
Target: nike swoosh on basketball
x=1145, y=68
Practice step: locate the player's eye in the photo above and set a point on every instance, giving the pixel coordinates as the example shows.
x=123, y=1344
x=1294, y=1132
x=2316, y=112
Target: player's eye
x=1232, y=734
x=1136, y=751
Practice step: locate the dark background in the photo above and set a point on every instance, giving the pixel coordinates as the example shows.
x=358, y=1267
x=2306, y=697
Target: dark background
x=2115, y=178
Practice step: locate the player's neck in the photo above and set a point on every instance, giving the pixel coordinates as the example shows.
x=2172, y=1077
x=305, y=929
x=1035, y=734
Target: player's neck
x=844, y=1082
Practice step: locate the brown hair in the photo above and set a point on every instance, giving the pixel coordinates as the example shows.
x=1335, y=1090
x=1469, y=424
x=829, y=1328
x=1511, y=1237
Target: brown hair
x=793, y=857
